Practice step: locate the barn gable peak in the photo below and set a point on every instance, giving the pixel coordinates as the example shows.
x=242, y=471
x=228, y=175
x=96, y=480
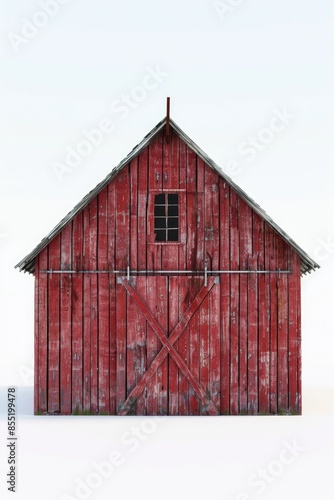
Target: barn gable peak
x=27, y=264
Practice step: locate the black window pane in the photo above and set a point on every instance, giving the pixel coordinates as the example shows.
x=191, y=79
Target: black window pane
x=173, y=222
x=173, y=199
x=173, y=235
x=166, y=217
x=160, y=235
x=160, y=199
x=173, y=210
x=160, y=222
x=159, y=210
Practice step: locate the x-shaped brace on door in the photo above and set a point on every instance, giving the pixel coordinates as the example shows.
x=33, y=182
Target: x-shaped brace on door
x=168, y=346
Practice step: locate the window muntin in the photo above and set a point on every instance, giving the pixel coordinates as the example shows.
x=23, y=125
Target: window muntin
x=166, y=217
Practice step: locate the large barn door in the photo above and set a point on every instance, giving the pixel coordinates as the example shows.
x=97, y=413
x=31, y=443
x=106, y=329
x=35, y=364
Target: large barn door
x=168, y=346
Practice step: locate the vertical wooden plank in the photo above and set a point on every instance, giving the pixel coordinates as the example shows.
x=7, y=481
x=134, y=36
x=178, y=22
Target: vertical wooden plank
x=54, y=304
x=282, y=329
x=112, y=296
x=204, y=348
x=234, y=305
x=157, y=304
x=162, y=372
x=182, y=164
x=155, y=173
x=225, y=296
x=169, y=256
x=243, y=345
x=252, y=320
x=215, y=346
x=191, y=164
x=211, y=237
x=166, y=161
x=174, y=317
x=170, y=250
x=194, y=286
x=191, y=172
x=182, y=346
x=132, y=315
x=191, y=231
x=211, y=225
x=174, y=175
x=142, y=208
x=43, y=333
x=271, y=251
x=170, y=163
x=200, y=214
x=36, y=336
x=134, y=234
x=264, y=316
x=122, y=190
x=293, y=279
x=66, y=323
x=94, y=334
x=246, y=249
x=86, y=313
x=77, y=316
x=180, y=155
x=155, y=179
x=152, y=347
x=140, y=346
x=299, y=352
x=121, y=307
x=132, y=310
x=103, y=304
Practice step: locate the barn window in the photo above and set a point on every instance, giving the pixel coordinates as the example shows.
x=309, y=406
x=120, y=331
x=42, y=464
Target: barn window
x=166, y=217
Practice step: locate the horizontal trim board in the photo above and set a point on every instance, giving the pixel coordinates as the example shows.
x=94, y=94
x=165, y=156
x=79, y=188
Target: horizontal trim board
x=248, y=271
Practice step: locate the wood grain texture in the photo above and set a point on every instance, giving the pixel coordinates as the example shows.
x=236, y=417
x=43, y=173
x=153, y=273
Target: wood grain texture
x=283, y=332
x=42, y=349
x=86, y=313
x=225, y=297
x=53, y=312
x=77, y=317
x=36, y=336
x=103, y=305
x=66, y=324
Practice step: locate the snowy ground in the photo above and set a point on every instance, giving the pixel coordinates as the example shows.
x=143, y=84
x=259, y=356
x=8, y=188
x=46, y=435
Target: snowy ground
x=223, y=458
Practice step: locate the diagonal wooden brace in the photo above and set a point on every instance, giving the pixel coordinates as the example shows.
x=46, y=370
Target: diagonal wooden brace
x=168, y=348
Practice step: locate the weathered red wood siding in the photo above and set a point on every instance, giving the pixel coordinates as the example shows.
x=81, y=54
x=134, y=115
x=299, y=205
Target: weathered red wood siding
x=242, y=344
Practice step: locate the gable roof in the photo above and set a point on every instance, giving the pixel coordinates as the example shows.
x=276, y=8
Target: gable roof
x=27, y=264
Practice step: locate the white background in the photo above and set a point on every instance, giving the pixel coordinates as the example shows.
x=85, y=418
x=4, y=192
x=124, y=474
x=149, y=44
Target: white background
x=227, y=67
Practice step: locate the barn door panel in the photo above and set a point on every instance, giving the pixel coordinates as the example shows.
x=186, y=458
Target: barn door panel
x=177, y=311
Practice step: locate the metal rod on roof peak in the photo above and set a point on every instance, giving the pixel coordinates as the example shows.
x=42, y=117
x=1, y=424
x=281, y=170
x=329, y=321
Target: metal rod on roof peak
x=167, y=119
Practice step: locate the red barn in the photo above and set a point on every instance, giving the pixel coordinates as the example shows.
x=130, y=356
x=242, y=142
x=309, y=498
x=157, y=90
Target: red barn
x=167, y=291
